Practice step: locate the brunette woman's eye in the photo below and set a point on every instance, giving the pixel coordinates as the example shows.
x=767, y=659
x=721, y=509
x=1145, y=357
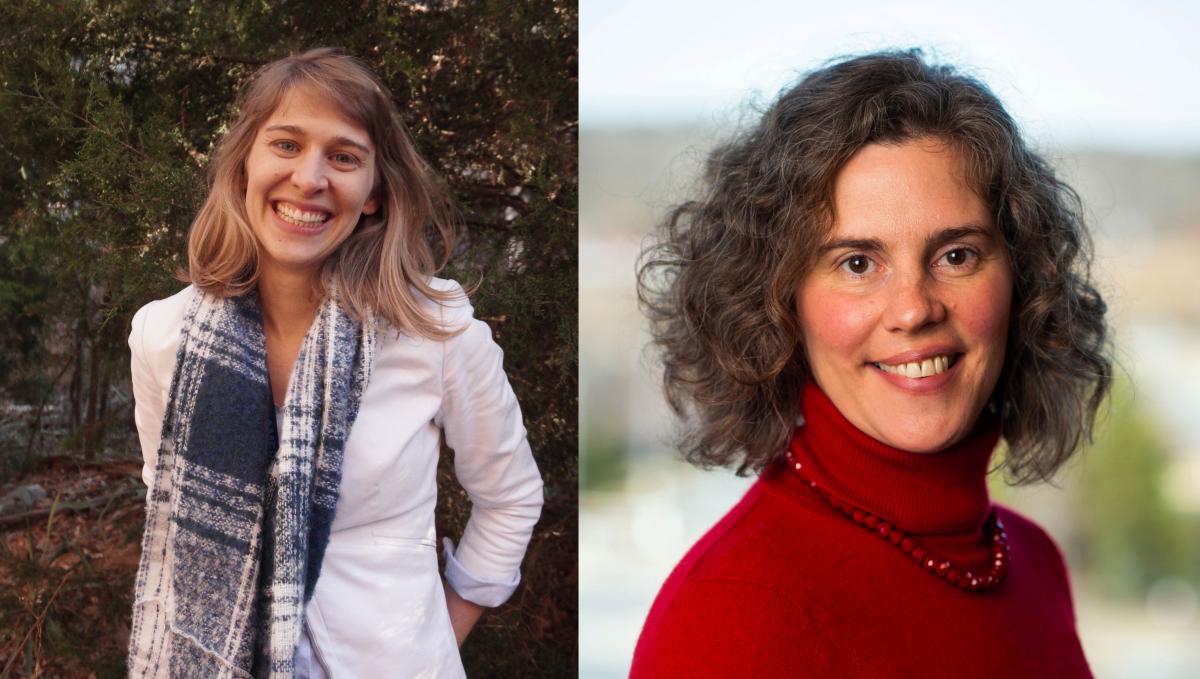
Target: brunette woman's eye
x=857, y=264
x=345, y=159
x=960, y=257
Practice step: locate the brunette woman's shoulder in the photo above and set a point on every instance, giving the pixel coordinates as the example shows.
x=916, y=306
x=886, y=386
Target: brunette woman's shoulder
x=730, y=628
x=768, y=538
x=738, y=603
x=1040, y=553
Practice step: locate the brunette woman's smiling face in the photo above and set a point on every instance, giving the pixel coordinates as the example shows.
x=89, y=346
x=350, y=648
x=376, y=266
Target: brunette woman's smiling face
x=309, y=178
x=905, y=310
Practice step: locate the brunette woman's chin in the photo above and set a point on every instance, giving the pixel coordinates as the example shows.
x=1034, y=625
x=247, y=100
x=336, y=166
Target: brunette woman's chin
x=924, y=415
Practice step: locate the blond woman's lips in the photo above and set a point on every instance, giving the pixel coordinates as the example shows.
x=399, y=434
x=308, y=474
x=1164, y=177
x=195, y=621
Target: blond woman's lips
x=301, y=215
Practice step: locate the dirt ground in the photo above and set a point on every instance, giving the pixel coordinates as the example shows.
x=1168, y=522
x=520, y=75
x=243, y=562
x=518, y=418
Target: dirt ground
x=67, y=567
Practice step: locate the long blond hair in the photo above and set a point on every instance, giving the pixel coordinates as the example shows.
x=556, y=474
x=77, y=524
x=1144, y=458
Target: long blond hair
x=390, y=254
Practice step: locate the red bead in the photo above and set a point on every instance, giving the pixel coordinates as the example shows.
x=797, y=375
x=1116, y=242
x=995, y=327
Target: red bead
x=941, y=568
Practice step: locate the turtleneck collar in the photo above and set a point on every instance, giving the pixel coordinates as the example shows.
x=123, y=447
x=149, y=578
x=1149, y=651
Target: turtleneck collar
x=943, y=493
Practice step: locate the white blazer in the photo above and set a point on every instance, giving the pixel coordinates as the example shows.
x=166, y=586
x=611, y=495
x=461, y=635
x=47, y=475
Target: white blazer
x=379, y=609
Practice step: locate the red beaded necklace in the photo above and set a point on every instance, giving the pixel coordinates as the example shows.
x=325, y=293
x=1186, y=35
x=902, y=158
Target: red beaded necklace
x=911, y=546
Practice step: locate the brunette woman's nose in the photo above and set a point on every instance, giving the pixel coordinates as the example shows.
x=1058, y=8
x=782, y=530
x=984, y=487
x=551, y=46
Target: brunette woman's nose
x=309, y=174
x=913, y=303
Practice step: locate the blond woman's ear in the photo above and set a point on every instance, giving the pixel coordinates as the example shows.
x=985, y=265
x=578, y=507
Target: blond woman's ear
x=371, y=206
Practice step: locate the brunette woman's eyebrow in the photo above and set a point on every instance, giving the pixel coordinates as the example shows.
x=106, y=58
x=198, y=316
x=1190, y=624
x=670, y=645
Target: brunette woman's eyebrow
x=958, y=233
x=932, y=242
x=867, y=244
x=337, y=141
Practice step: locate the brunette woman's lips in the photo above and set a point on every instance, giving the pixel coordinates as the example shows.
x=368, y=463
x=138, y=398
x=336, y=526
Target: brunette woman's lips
x=309, y=229
x=920, y=385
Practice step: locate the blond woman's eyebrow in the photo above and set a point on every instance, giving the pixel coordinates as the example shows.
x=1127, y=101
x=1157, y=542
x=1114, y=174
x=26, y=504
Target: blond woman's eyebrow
x=337, y=141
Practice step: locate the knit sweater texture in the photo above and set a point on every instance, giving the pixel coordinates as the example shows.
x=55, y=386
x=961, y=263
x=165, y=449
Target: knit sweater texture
x=786, y=586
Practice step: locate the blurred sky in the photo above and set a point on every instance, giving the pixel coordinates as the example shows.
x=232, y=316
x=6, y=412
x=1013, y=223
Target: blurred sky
x=1100, y=73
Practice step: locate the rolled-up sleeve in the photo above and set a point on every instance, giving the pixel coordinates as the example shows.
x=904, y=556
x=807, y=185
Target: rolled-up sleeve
x=492, y=460
x=147, y=396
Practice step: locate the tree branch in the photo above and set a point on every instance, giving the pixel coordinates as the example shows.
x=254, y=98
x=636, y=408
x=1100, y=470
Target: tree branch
x=82, y=506
x=91, y=125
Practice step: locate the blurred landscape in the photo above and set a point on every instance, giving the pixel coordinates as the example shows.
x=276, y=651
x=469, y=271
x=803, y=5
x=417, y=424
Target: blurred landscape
x=1126, y=511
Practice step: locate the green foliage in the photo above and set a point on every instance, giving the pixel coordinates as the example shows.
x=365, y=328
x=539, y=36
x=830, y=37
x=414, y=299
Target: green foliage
x=603, y=463
x=1130, y=534
x=108, y=113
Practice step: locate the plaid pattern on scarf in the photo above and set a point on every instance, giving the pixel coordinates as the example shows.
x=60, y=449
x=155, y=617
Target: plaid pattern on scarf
x=239, y=514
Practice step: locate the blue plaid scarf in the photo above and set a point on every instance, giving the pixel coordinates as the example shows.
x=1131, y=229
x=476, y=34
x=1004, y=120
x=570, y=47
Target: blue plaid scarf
x=239, y=514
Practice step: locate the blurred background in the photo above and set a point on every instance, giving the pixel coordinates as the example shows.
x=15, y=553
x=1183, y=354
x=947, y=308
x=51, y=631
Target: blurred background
x=1107, y=91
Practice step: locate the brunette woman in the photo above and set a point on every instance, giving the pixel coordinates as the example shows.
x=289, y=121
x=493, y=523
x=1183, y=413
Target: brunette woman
x=875, y=285
x=291, y=402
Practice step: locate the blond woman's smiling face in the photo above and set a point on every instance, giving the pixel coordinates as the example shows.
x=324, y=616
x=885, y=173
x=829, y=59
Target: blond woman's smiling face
x=310, y=176
x=905, y=311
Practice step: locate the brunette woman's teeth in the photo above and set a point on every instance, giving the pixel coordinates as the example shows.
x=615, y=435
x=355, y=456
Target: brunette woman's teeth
x=294, y=215
x=926, y=368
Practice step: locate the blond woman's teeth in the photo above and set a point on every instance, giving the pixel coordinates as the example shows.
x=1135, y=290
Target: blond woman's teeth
x=295, y=215
x=926, y=368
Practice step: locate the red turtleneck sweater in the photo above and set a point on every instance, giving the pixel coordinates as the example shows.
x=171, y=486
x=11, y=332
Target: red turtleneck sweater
x=786, y=586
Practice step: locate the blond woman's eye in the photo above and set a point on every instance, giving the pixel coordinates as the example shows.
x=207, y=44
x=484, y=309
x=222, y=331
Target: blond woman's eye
x=287, y=146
